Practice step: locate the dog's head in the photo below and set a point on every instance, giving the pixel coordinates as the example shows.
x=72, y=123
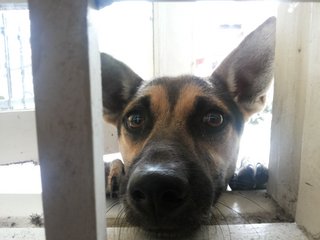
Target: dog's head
x=179, y=136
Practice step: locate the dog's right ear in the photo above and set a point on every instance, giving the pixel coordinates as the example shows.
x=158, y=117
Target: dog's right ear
x=248, y=69
x=119, y=84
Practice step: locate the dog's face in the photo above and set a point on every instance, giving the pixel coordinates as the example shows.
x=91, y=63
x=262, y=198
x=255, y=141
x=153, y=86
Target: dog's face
x=179, y=137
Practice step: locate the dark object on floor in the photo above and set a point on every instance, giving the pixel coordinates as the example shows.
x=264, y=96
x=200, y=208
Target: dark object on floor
x=36, y=220
x=249, y=177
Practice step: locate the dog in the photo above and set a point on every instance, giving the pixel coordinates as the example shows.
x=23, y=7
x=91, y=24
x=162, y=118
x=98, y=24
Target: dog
x=179, y=136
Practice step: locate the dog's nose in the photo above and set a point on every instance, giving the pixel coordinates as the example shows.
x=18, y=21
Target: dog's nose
x=158, y=190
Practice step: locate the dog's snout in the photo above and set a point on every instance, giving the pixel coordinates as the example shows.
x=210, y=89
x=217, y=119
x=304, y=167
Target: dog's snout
x=158, y=190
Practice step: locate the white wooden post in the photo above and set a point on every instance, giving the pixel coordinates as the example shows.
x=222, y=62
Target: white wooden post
x=295, y=154
x=288, y=109
x=308, y=210
x=66, y=69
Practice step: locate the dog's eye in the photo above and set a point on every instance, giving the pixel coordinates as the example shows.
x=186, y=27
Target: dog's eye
x=213, y=119
x=135, y=120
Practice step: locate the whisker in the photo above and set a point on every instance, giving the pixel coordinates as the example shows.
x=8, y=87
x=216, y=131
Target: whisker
x=121, y=222
x=230, y=208
x=239, y=214
x=115, y=203
x=225, y=219
x=254, y=202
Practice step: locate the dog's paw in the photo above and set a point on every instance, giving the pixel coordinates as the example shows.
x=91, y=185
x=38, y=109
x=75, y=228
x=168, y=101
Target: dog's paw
x=114, y=171
x=249, y=177
x=261, y=176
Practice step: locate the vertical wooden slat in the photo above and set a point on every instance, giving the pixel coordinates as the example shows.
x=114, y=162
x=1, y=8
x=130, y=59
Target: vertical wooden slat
x=66, y=71
x=308, y=210
x=294, y=160
x=288, y=109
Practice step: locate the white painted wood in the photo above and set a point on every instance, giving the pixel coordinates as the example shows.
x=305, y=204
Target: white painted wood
x=275, y=231
x=22, y=234
x=66, y=69
x=308, y=210
x=110, y=138
x=13, y=2
x=294, y=159
x=19, y=205
x=18, y=139
x=288, y=109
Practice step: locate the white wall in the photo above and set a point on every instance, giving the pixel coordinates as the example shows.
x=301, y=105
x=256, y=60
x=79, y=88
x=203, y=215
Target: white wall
x=18, y=141
x=18, y=137
x=125, y=31
x=186, y=32
x=173, y=53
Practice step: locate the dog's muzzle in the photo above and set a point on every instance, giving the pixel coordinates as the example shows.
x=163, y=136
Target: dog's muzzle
x=167, y=189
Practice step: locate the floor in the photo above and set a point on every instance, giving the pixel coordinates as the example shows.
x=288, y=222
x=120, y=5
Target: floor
x=233, y=207
x=239, y=214
x=273, y=231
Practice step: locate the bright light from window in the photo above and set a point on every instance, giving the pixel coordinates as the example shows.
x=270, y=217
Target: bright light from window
x=20, y=179
x=16, y=85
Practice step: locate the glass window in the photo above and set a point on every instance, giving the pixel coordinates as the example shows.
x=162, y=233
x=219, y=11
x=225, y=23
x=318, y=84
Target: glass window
x=16, y=86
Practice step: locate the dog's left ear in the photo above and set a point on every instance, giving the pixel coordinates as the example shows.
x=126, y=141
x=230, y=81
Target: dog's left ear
x=119, y=84
x=248, y=70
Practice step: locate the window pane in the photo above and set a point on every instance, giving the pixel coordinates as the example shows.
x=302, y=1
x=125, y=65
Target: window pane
x=16, y=86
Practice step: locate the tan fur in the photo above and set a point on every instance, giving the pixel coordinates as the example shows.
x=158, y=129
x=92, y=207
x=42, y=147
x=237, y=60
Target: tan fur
x=186, y=101
x=129, y=149
x=159, y=102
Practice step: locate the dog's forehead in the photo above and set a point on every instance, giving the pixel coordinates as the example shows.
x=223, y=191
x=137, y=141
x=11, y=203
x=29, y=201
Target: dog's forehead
x=172, y=105
x=178, y=94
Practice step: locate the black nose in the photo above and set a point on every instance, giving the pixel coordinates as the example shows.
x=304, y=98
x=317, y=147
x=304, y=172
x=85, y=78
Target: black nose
x=158, y=190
